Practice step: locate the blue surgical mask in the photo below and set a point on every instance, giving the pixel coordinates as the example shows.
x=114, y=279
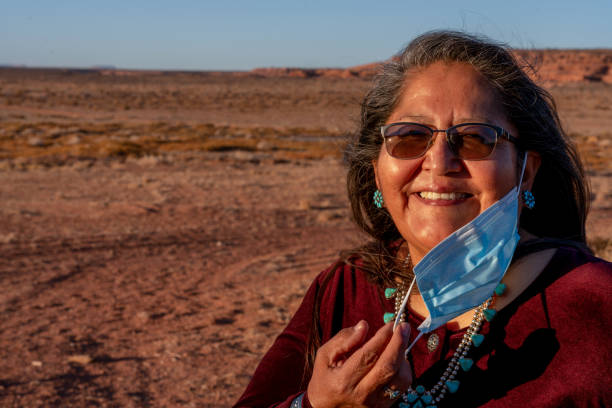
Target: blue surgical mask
x=462, y=271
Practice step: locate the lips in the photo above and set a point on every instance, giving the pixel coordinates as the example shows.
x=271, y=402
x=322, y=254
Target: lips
x=431, y=195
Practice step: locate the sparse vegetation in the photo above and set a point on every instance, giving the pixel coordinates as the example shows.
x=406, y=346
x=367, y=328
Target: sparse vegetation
x=151, y=255
x=57, y=142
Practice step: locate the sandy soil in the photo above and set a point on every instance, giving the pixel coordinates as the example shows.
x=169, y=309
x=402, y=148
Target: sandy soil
x=157, y=231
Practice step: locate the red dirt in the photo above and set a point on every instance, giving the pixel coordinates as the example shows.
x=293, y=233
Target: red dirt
x=157, y=230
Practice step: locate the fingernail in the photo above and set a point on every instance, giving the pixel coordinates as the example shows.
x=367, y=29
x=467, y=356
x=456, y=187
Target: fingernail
x=360, y=325
x=405, y=329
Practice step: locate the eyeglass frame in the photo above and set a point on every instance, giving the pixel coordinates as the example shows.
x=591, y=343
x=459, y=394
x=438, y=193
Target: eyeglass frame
x=499, y=131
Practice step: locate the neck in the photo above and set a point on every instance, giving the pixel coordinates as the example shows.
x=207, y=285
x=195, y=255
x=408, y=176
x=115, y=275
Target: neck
x=518, y=277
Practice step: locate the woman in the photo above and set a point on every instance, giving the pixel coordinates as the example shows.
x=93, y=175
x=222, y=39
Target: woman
x=454, y=134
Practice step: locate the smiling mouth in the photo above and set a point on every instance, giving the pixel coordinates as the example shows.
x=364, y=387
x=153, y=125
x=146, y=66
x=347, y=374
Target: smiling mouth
x=430, y=195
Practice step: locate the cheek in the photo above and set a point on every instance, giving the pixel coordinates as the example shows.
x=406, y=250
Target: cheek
x=495, y=179
x=393, y=174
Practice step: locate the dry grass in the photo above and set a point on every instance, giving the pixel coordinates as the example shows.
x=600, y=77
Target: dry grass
x=56, y=143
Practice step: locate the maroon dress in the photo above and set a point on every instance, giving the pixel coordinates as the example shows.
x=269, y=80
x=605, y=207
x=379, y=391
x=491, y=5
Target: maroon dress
x=550, y=347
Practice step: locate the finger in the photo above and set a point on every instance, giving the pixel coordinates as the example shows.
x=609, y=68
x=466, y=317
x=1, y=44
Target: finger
x=362, y=360
x=391, y=367
x=387, y=394
x=403, y=379
x=347, y=340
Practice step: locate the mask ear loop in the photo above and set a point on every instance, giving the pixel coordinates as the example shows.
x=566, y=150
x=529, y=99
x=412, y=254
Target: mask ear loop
x=403, y=306
x=405, y=301
x=407, y=351
x=399, y=316
x=518, y=188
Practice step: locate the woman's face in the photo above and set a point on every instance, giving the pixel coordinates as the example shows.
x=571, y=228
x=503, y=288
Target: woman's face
x=433, y=195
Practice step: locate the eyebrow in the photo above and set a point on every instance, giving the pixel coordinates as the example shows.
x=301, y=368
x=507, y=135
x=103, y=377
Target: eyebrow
x=481, y=119
x=430, y=120
x=415, y=117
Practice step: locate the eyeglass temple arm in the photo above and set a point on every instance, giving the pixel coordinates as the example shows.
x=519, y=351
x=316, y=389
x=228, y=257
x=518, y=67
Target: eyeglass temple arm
x=506, y=135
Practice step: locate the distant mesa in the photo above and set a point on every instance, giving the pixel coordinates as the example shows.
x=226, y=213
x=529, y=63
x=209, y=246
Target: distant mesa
x=562, y=66
x=359, y=71
x=546, y=66
x=549, y=66
x=2, y=65
x=103, y=67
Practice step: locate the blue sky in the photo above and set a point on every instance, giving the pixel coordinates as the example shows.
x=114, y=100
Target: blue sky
x=241, y=35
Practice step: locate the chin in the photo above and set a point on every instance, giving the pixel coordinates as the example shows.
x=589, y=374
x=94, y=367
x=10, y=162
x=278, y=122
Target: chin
x=437, y=234
x=440, y=220
x=429, y=237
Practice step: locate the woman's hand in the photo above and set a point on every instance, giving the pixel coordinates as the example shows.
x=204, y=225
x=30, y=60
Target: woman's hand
x=349, y=373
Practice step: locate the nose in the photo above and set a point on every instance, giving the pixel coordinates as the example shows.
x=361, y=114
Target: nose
x=439, y=158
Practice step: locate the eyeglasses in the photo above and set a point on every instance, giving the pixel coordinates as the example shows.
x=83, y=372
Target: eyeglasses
x=468, y=141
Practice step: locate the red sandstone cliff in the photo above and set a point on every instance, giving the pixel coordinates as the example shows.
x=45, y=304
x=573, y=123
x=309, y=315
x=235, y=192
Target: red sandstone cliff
x=552, y=66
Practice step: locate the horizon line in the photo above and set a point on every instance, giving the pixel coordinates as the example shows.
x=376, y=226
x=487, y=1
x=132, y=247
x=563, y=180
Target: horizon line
x=109, y=67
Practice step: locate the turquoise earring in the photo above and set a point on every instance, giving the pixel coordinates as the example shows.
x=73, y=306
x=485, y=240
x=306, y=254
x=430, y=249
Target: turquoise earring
x=528, y=199
x=378, y=199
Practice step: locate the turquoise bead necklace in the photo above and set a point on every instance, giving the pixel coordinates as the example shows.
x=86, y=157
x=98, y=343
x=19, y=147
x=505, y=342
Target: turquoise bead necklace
x=398, y=293
x=419, y=397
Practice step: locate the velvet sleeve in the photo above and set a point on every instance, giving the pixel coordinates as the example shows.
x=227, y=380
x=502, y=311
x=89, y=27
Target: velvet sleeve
x=347, y=298
x=279, y=376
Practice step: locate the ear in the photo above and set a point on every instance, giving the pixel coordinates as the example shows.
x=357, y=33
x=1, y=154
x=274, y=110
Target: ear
x=531, y=169
x=375, y=167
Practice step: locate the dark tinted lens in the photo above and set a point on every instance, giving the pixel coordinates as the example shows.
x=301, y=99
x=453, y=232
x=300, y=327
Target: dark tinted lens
x=406, y=140
x=472, y=141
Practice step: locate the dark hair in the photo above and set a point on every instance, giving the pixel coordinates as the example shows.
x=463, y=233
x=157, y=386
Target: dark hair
x=560, y=187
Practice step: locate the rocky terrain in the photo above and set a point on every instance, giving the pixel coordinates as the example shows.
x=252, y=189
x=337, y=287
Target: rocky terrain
x=158, y=229
x=547, y=66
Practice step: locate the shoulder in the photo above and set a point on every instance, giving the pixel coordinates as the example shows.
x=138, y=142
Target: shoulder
x=577, y=289
x=576, y=273
x=346, y=282
x=338, y=287
x=557, y=332
x=346, y=295
x=571, y=294
x=344, y=273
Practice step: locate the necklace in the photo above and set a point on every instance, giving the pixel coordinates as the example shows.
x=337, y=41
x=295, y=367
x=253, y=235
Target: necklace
x=419, y=396
x=398, y=293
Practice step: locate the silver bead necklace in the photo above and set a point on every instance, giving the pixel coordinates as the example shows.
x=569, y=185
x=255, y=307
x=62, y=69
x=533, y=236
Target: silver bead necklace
x=419, y=396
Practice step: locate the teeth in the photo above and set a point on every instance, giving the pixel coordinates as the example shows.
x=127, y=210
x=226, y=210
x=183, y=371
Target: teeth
x=430, y=195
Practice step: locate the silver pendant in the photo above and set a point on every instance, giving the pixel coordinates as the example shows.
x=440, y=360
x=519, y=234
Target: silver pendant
x=432, y=342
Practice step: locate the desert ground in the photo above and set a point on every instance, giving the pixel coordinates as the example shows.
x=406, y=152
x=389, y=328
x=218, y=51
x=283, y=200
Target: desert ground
x=158, y=229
